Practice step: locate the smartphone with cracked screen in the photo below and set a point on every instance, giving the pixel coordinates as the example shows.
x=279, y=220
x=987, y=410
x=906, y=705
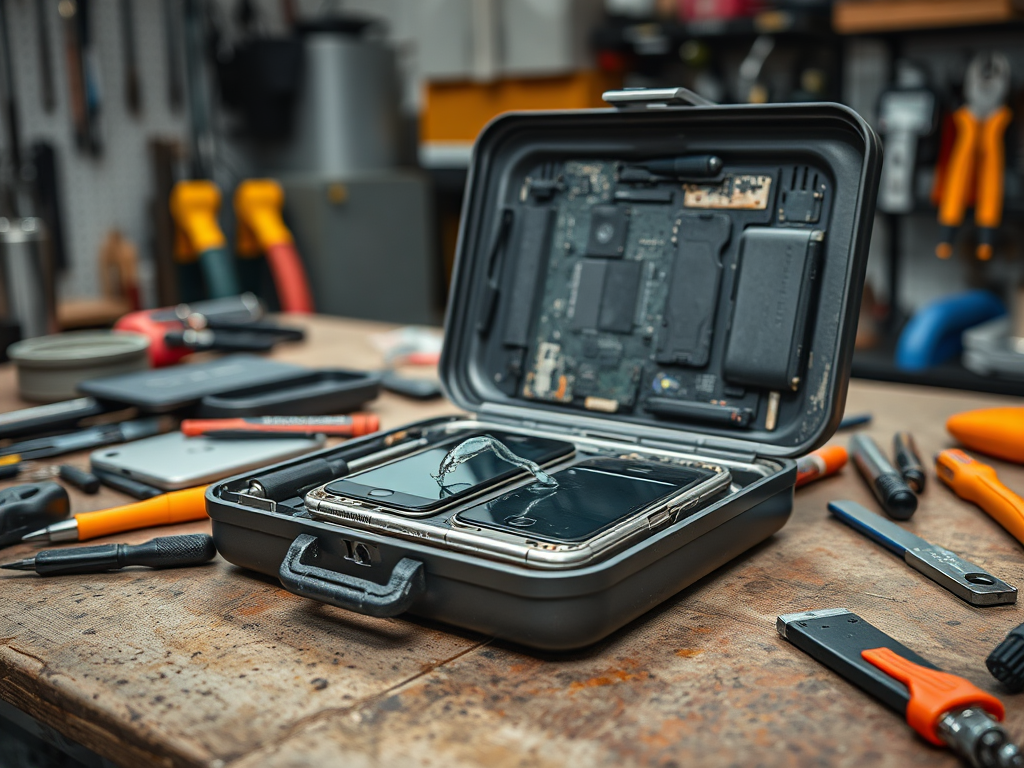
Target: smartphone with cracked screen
x=411, y=485
x=597, y=505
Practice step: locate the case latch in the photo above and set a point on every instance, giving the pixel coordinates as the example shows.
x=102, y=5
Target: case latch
x=642, y=98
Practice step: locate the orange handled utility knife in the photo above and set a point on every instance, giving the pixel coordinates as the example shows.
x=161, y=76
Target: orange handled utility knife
x=977, y=482
x=944, y=709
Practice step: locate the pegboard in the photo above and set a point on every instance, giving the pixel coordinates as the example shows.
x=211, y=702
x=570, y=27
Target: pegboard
x=111, y=191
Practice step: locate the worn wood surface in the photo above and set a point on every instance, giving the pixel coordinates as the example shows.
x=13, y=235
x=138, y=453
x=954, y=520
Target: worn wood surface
x=214, y=666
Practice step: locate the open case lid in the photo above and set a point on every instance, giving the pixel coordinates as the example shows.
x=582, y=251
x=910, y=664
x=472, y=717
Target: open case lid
x=686, y=274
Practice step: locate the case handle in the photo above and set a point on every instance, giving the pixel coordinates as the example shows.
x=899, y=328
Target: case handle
x=349, y=592
x=632, y=98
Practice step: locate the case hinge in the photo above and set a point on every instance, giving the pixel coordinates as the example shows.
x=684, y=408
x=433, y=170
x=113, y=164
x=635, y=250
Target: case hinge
x=642, y=98
x=702, y=449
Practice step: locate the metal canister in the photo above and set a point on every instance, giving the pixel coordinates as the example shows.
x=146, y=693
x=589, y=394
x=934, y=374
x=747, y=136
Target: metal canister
x=28, y=295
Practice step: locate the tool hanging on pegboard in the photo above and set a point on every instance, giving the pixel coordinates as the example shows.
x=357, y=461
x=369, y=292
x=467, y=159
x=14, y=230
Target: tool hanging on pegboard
x=977, y=165
x=83, y=75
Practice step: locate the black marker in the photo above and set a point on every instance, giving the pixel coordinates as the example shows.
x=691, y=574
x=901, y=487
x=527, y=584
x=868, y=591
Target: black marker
x=908, y=461
x=886, y=483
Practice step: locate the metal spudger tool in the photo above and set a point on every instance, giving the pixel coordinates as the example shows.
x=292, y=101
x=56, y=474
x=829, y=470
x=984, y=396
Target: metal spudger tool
x=946, y=710
x=886, y=483
x=965, y=580
x=164, y=552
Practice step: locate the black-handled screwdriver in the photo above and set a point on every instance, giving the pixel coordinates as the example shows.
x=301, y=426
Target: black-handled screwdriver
x=163, y=552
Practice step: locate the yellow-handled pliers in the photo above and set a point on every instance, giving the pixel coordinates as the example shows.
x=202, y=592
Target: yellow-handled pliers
x=978, y=154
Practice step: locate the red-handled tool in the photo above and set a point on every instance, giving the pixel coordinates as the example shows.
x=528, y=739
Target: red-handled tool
x=261, y=230
x=946, y=710
x=354, y=425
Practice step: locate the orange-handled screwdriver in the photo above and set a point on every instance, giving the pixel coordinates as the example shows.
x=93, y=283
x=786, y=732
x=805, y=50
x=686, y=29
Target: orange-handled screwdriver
x=353, y=425
x=977, y=482
x=166, y=509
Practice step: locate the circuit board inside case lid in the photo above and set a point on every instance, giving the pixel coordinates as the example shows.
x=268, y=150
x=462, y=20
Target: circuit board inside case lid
x=624, y=280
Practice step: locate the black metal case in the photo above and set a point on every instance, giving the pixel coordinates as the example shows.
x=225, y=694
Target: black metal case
x=696, y=310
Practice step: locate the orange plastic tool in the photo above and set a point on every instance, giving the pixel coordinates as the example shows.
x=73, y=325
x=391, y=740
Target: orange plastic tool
x=998, y=432
x=932, y=693
x=820, y=463
x=261, y=229
x=976, y=165
x=988, y=207
x=977, y=482
x=170, y=508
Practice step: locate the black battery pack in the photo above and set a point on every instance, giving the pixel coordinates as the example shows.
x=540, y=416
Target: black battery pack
x=775, y=287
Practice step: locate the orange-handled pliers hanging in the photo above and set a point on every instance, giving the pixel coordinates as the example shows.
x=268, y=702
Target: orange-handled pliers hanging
x=978, y=155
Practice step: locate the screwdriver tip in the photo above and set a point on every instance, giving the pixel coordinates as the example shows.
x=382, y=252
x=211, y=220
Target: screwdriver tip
x=20, y=565
x=40, y=535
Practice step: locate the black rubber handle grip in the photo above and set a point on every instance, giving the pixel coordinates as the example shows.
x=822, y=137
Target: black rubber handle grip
x=169, y=551
x=369, y=598
x=895, y=495
x=284, y=483
x=29, y=507
x=1006, y=662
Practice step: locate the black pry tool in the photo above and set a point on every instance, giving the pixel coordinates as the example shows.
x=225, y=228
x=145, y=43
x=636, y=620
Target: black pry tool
x=79, y=478
x=684, y=167
x=908, y=461
x=164, y=552
x=29, y=507
x=134, y=488
x=966, y=580
x=91, y=437
x=886, y=483
x=944, y=709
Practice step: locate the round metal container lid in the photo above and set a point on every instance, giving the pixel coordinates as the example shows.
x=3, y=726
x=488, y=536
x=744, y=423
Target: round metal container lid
x=74, y=349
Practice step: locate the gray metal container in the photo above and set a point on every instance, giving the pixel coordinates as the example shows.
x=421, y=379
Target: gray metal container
x=346, y=114
x=27, y=297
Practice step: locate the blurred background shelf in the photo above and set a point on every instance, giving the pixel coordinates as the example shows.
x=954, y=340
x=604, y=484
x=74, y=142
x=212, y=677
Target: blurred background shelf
x=877, y=364
x=857, y=17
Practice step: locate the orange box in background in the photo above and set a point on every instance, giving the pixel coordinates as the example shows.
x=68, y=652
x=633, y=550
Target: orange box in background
x=455, y=112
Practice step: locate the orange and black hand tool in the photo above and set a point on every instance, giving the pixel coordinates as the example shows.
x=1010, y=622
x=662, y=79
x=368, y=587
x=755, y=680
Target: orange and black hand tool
x=977, y=482
x=946, y=710
x=261, y=230
x=976, y=166
x=166, y=509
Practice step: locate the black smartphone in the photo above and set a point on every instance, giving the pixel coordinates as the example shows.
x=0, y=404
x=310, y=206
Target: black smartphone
x=410, y=484
x=590, y=498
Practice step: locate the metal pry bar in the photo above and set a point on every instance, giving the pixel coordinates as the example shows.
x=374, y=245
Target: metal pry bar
x=964, y=579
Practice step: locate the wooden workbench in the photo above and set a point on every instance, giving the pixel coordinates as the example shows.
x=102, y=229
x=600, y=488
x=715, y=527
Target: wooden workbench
x=215, y=666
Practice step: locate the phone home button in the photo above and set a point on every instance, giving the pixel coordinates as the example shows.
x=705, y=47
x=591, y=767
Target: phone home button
x=520, y=521
x=380, y=492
